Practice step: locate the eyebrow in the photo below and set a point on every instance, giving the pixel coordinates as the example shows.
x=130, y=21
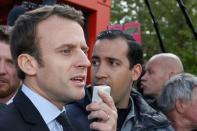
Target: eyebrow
x=95, y=57
x=114, y=59
x=107, y=58
x=65, y=45
x=71, y=45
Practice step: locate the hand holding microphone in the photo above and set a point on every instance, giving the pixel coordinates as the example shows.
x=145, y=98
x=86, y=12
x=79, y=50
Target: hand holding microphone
x=96, y=89
x=103, y=110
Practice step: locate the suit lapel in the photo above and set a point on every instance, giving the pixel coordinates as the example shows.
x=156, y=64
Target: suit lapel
x=29, y=113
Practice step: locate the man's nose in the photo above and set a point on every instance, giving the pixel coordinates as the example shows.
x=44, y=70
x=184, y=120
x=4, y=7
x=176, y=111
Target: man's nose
x=101, y=72
x=83, y=60
x=143, y=78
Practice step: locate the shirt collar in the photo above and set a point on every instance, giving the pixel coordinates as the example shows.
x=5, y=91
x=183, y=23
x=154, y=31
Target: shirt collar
x=132, y=111
x=48, y=111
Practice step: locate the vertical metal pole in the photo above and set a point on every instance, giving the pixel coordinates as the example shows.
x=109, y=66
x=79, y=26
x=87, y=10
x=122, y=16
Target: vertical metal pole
x=155, y=23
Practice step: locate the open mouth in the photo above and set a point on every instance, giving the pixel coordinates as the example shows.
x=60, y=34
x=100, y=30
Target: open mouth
x=79, y=80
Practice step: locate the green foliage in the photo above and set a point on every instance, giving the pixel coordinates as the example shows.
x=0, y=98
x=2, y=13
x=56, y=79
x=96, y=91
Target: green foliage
x=176, y=35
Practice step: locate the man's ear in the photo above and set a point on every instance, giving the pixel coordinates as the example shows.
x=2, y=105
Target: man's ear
x=136, y=71
x=180, y=106
x=27, y=64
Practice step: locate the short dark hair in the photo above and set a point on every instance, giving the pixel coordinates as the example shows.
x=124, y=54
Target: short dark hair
x=24, y=33
x=4, y=37
x=135, y=53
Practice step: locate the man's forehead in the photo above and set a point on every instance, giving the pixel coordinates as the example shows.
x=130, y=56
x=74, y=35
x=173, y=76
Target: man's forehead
x=63, y=32
x=4, y=45
x=108, y=55
x=95, y=56
x=5, y=51
x=154, y=62
x=153, y=65
x=116, y=45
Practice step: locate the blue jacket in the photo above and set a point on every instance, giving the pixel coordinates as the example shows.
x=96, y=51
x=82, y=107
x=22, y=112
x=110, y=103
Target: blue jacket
x=145, y=118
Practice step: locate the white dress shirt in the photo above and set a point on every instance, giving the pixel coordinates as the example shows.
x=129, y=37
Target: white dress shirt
x=48, y=111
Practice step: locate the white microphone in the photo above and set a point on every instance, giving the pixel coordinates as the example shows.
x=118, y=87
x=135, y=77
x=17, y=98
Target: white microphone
x=104, y=88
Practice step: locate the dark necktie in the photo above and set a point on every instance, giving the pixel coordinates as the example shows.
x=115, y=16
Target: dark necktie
x=62, y=119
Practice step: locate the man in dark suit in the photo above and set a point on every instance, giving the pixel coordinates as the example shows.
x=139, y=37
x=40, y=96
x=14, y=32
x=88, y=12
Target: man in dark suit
x=49, y=49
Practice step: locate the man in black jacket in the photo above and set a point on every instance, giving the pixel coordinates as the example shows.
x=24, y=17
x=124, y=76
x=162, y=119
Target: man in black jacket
x=116, y=62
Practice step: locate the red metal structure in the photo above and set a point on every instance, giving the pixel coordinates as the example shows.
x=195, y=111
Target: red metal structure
x=132, y=28
x=96, y=12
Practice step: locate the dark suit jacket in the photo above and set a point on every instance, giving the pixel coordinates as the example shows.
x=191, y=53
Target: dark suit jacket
x=21, y=115
x=2, y=105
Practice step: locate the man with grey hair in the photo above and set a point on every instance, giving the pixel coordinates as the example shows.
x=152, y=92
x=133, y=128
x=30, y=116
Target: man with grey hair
x=178, y=100
x=158, y=70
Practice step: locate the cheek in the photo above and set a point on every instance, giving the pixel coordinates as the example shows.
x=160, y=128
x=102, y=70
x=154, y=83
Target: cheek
x=192, y=112
x=153, y=77
x=12, y=73
x=121, y=85
x=157, y=80
x=194, y=107
x=123, y=79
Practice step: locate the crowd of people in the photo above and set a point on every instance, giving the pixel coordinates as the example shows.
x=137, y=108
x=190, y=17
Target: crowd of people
x=43, y=72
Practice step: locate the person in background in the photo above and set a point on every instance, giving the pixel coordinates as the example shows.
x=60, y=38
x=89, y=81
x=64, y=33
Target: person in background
x=178, y=100
x=116, y=61
x=18, y=10
x=158, y=70
x=9, y=81
x=50, y=52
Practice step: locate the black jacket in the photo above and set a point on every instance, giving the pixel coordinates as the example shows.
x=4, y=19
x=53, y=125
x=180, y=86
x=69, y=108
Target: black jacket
x=147, y=119
x=21, y=115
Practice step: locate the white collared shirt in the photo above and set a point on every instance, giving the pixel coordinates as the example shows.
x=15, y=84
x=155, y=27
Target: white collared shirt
x=48, y=111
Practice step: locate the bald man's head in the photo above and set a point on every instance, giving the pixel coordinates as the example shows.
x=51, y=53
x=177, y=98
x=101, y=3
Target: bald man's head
x=169, y=61
x=160, y=68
